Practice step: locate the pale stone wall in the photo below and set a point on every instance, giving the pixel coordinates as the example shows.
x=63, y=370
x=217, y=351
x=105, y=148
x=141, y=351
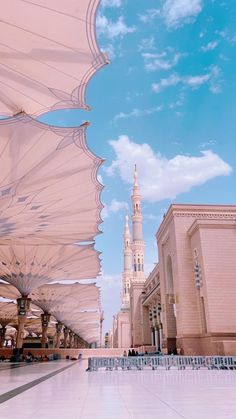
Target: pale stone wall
x=215, y=241
x=187, y=307
x=219, y=264
x=146, y=332
x=123, y=324
x=206, y=315
x=115, y=332
x=198, y=319
x=167, y=249
x=135, y=314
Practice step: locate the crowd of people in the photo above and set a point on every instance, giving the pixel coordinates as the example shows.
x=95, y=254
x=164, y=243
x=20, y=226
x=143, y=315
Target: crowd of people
x=132, y=352
x=174, y=351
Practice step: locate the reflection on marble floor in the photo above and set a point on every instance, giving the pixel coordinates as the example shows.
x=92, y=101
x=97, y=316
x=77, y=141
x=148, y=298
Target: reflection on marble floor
x=77, y=394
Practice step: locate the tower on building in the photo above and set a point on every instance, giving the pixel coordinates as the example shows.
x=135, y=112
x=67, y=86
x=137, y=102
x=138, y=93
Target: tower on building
x=128, y=324
x=127, y=272
x=137, y=233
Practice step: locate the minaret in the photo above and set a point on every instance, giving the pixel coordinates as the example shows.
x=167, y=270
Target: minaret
x=137, y=242
x=127, y=273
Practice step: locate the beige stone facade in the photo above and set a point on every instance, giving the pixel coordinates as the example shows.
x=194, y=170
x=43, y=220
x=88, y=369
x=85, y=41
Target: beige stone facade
x=188, y=301
x=197, y=249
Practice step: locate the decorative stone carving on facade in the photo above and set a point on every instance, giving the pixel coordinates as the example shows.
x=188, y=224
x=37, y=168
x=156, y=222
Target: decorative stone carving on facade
x=206, y=215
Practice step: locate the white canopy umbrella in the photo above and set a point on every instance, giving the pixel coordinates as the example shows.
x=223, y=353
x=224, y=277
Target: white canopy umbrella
x=28, y=267
x=49, y=190
x=48, y=53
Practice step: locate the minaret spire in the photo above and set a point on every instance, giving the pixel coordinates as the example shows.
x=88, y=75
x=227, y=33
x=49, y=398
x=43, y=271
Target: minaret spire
x=127, y=273
x=136, y=185
x=137, y=240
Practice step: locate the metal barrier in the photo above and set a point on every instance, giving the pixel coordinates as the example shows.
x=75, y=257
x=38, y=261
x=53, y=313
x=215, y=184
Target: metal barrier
x=166, y=362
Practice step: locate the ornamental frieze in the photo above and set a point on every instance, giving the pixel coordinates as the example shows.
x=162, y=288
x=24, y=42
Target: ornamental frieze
x=206, y=215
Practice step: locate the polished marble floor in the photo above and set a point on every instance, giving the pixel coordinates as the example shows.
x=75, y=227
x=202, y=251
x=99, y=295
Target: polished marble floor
x=77, y=394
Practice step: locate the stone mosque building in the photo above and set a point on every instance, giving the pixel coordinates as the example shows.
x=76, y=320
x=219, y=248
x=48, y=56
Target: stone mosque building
x=187, y=303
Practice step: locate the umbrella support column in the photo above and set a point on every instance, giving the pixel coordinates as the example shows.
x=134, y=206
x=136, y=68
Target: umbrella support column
x=23, y=305
x=45, y=319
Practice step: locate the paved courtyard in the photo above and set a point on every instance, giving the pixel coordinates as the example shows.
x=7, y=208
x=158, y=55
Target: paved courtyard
x=69, y=392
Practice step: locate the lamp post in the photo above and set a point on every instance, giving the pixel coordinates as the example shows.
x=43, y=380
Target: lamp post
x=45, y=319
x=101, y=323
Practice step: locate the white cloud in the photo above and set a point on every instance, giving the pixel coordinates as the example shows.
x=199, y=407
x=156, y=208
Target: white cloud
x=111, y=29
x=196, y=81
x=233, y=40
x=161, y=178
x=100, y=179
x=114, y=207
x=154, y=62
x=152, y=217
x=222, y=34
x=147, y=44
x=135, y=94
x=109, y=51
x=178, y=103
x=208, y=144
x=137, y=113
x=111, y=3
x=213, y=78
x=210, y=46
x=108, y=281
x=216, y=80
x=149, y=15
x=172, y=80
x=179, y=12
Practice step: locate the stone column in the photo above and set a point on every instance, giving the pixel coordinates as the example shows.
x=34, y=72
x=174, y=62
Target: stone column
x=58, y=333
x=66, y=335
x=152, y=335
x=156, y=337
x=23, y=305
x=160, y=322
x=71, y=335
x=45, y=319
x=160, y=335
x=2, y=336
x=146, y=336
x=76, y=342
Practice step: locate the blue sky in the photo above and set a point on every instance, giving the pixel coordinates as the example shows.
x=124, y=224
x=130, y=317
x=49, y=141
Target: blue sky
x=165, y=102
